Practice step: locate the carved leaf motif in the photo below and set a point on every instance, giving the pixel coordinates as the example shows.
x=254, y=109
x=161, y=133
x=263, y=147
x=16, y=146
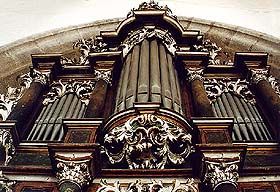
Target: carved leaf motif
x=6, y=142
x=147, y=142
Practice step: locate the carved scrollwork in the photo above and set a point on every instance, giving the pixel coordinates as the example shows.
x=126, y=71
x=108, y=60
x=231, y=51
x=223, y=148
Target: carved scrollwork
x=25, y=80
x=217, y=56
x=188, y=186
x=258, y=74
x=85, y=47
x=6, y=143
x=214, y=88
x=59, y=89
x=138, y=36
x=218, y=172
x=74, y=171
x=147, y=142
x=194, y=73
x=152, y=5
x=274, y=84
x=6, y=185
x=103, y=75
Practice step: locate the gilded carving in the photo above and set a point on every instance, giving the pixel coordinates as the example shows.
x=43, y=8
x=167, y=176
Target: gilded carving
x=258, y=75
x=147, y=142
x=59, y=89
x=194, y=74
x=6, y=143
x=103, y=75
x=6, y=185
x=214, y=88
x=187, y=186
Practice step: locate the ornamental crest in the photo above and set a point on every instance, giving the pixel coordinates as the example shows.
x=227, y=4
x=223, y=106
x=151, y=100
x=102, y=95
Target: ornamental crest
x=214, y=88
x=147, y=142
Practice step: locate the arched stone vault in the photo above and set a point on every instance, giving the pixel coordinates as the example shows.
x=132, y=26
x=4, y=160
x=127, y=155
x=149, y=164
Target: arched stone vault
x=15, y=58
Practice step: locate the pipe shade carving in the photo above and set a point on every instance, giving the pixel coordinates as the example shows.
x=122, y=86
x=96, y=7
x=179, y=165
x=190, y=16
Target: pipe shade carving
x=6, y=146
x=147, y=142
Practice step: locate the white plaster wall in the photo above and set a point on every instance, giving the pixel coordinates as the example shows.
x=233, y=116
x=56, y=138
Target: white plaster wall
x=22, y=18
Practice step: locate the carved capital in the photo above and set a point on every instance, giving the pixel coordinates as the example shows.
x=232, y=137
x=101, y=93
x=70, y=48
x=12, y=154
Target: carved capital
x=73, y=174
x=194, y=73
x=6, y=143
x=34, y=75
x=147, y=142
x=5, y=183
x=274, y=84
x=221, y=170
x=258, y=75
x=103, y=74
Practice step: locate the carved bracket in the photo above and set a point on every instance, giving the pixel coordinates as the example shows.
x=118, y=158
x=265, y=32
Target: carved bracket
x=59, y=89
x=7, y=144
x=147, y=142
x=194, y=73
x=188, y=185
x=214, y=88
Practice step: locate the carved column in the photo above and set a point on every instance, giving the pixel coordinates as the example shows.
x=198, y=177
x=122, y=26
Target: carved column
x=268, y=96
x=25, y=107
x=201, y=102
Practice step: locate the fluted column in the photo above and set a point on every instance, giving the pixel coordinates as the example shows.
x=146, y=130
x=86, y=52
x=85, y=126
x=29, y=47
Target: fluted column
x=201, y=102
x=35, y=82
x=268, y=96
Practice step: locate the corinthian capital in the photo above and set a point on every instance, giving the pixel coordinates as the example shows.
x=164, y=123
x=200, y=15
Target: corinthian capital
x=219, y=171
x=258, y=74
x=194, y=73
x=26, y=79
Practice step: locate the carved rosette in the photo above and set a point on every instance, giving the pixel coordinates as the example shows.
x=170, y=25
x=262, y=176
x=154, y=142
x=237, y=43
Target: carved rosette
x=6, y=143
x=258, y=75
x=214, y=88
x=59, y=89
x=219, y=171
x=73, y=171
x=216, y=56
x=274, y=84
x=187, y=186
x=147, y=142
x=103, y=75
x=136, y=37
x=6, y=185
x=194, y=73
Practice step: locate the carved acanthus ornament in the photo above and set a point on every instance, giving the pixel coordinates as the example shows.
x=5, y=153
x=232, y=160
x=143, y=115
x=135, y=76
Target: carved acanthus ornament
x=103, y=75
x=147, y=142
x=6, y=185
x=217, y=57
x=152, y=5
x=194, y=73
x=73, y=171
x=219, y=171
x=9, y=100
x=188, y=186
x=136, y=37
x=214, y=88
x=85, y=47
x=7, y=145
x=258, y=75
x=274, y=84
x=59, y=89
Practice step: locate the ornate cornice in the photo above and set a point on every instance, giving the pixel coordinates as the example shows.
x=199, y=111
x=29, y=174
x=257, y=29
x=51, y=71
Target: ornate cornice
x=219, y=171
x=6, y=143
x=216, y=56
x=136, y=37
x=194, y=73
x=274, y=84
x=214, y=88
x=5, y=183
x=147, y=142
x=258, y=75
x=187, y=186
x=76, y=171
x=59, y=89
